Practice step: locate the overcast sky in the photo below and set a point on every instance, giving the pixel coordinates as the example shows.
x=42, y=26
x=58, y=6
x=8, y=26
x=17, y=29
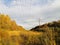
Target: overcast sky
x=27, y=12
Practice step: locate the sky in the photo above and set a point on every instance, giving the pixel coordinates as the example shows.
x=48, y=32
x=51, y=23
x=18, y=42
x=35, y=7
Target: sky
x=28, y=12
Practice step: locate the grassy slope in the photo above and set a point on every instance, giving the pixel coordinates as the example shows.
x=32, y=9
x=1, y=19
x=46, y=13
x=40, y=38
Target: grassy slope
x=12, y=34
x=53, y=28
x=19, y=38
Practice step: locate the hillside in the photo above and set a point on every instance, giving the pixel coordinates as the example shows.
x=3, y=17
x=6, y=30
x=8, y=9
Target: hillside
x=53, y=26
x=12, y=34
x=7, y=23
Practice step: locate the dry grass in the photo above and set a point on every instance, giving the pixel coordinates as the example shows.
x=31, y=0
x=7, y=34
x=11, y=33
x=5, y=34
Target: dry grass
x=19, y=37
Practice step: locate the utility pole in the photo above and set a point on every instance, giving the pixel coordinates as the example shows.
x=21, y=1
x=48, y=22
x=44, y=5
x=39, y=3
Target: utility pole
x=39, y=21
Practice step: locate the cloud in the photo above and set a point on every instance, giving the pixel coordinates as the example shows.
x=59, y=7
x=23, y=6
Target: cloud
x=27, y=12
